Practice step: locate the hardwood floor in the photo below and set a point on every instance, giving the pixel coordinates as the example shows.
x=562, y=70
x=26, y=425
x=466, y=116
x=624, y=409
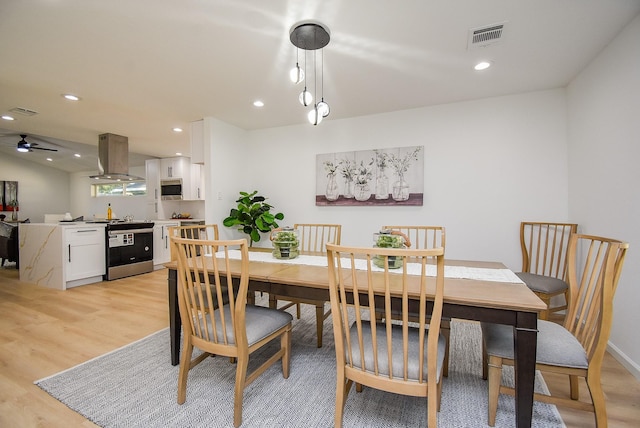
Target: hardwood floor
x=45, y=331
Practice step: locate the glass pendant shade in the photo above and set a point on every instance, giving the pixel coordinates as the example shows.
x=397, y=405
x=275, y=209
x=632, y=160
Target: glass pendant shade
x=323, y=108
x=315, y=116
x=305, y=97
x=296, y=74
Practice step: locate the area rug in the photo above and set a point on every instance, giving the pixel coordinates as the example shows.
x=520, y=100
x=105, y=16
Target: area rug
x=136, y=386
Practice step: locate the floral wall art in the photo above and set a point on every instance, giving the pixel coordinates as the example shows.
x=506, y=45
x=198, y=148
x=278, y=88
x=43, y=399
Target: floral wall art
x=393, y=176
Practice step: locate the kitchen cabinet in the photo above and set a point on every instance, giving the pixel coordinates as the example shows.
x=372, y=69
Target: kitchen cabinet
x=161, y=244
x=195, y=189
x=177, y=167
x=84, y=253
x=62, y=256
x=152, y=173
x=197, y=142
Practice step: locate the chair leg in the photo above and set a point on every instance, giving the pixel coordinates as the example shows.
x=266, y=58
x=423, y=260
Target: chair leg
x=432, y=406
x=495, y=378
x=341, y=398
x=597, y=397
x=298, y=310
x=285, y=343
x=183, y=373
x=544, y=315
x=574, y=388
x=319, y=323
x=241, y=376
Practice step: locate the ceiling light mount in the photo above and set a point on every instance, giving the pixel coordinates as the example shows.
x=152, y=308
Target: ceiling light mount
x=310, y=36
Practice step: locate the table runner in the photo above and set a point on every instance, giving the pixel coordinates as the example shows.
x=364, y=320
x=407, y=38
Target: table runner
x=458, y=272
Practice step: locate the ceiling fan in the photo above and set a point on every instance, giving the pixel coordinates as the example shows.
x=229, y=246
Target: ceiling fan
x=25, y=146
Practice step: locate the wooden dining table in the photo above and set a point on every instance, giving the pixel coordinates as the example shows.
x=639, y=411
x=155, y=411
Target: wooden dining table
x=510, y=303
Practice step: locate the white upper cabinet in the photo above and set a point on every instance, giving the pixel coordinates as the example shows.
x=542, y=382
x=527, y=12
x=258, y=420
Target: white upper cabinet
x=177, y=167
x=191, y=175
x=197, y=142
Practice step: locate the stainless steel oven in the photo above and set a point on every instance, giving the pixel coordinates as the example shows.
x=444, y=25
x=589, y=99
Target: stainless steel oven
x=129, y=249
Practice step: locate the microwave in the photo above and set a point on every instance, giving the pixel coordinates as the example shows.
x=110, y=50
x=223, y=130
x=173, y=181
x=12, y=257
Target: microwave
x=171, y=190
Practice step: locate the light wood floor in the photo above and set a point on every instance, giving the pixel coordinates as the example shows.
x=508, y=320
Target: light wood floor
x=45, y=331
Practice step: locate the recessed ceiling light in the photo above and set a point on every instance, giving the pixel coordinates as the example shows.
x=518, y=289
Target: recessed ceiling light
x=71, y=97
x=7, y=117
x=77, y=155
x=50, y=160
x=482, y=65
x=178, y=154
x=176, y=129
x=258, y=103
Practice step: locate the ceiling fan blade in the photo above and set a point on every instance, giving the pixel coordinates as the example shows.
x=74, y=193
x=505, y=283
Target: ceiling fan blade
x=24, y=144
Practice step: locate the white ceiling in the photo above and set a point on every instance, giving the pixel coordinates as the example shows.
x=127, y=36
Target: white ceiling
x=143, y=67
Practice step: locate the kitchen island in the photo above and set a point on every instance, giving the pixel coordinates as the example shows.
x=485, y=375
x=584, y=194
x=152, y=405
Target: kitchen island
x=62, y=255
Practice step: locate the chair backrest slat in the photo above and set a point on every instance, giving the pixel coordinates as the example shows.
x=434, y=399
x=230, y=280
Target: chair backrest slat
x=544, y=247
x=314, y=236
x=422, y=237
x=198, y=231
x=594, y=268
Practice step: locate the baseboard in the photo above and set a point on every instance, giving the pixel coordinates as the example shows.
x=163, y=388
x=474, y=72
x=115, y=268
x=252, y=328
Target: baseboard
x=622, y=358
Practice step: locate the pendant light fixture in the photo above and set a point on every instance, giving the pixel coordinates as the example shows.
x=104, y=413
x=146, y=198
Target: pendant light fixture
x=296, y=74
x=322, y=106
x=305, y=97
x=314, y=116
x=310, y=36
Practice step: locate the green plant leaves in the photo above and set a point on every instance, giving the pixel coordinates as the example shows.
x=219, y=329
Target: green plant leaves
x=252, y=216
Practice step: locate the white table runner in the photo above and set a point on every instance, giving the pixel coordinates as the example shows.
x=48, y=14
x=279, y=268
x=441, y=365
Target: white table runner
x=459, y=272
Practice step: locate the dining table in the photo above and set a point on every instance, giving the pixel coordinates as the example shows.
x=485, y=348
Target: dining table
x=473, y=290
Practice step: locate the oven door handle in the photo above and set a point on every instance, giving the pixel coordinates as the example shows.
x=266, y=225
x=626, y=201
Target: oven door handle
x=120, y=232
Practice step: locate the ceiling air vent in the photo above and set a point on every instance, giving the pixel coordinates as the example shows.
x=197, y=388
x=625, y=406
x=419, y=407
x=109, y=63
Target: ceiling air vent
x=23, y=111
x=485, y=36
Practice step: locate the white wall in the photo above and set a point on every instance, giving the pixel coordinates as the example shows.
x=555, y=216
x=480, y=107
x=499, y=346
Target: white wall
x=228, y=171
x=489, y=164
x=604, y=145
x=40, y=189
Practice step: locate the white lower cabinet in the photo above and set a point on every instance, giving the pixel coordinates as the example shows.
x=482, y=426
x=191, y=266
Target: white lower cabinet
x=84, y=250
x=161, y=244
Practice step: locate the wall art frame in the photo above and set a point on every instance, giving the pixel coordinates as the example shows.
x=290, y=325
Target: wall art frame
x=388, y=177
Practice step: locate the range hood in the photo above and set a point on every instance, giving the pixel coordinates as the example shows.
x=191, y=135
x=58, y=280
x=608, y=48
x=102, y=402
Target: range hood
x=113, y=158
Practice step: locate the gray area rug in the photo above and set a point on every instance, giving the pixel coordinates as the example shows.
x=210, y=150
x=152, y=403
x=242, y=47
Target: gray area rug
x=136, y=386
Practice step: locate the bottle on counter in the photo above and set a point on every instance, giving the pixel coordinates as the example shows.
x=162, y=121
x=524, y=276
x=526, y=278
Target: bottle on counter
x=109, y=213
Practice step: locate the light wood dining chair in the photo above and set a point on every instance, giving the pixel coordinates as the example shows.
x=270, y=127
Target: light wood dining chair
x=198, y=231
x=577, y=347
x=425, y=237
x=392, y=356
x=313, y=238
x=216, y=317
x=544, y=261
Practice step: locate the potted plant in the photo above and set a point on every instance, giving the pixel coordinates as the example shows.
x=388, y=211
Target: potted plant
x=389, y=239
x=285, y=243
x=252, y=216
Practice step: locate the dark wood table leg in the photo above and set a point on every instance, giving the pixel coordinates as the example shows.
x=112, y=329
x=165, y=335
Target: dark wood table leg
x=175, y=323
x=525, y=343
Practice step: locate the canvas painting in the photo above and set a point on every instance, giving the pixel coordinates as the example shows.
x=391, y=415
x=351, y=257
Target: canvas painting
x=392, y=176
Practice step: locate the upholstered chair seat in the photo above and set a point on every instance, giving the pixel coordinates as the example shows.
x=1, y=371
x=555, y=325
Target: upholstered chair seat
x=542, y=283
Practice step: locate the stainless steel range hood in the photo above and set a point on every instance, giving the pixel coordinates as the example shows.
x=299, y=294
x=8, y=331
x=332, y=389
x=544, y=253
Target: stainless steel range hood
x=113, y=158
